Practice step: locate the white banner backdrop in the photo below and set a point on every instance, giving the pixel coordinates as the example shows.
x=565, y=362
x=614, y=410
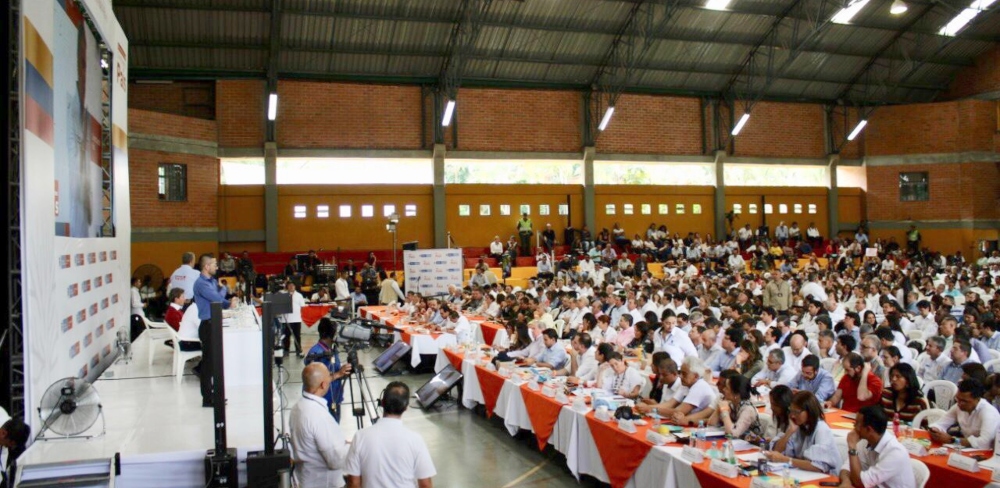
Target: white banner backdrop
x=75, y=285
x=430, y=271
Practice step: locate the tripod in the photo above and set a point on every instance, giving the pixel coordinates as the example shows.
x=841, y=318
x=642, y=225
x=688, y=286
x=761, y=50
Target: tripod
x=362, y=408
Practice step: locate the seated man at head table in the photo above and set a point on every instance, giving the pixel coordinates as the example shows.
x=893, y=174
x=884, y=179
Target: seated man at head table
x=552, y=356
x=532, y=351
x=321, y=296
x=696, y=396
x=971, y=422
x=582, y=365
x=459, y=325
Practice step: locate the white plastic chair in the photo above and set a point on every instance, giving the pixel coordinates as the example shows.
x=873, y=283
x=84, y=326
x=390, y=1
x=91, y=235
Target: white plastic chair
x=944, y=393
x=920, y=472
x=501, y=340
x=913, y=352
x=991, y=366
x=156, y=333
x=558, y=325
x=930, y=415
x=828, y=364
x=923, y=343
x=915, y=334
x=181, y=357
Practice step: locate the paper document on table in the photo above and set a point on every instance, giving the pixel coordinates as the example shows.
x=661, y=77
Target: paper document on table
x=992, y=463
x=845, y=425
x=742, y=445
x=799, y=474
x=710, y=432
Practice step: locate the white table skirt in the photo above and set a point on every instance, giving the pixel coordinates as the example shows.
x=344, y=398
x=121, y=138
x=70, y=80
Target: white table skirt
x=241, y=357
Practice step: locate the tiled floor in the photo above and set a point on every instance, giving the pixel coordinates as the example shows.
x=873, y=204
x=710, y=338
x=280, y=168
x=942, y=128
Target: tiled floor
x=148, y=412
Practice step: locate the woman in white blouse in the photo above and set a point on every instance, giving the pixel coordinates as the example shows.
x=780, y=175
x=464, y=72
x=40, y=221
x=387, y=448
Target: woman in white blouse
x=604, y=332
x=808, y=443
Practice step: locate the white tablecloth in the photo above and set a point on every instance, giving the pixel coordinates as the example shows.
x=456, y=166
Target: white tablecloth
x=241, y=356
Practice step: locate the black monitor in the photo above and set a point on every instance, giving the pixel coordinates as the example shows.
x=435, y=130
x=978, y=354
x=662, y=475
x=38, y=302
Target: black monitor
x=438, y=386
x=391, y=356
x=410, y=246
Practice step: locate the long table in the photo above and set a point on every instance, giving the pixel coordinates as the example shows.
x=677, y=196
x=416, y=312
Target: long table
x=602, y=450
x=427, y=343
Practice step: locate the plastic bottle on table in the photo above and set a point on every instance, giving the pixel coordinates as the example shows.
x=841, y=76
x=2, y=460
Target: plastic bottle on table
x=713, y=452
x=701, y=435
x=786, y=478
x=895, y=424
x=729, y=451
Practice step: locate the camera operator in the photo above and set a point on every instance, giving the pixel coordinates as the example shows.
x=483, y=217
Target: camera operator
x=325, y=352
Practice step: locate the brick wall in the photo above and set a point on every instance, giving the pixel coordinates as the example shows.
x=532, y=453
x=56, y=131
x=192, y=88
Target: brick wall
x=518, y=120
x=932, y=128
x=983, y=77
x=343, y=115
x=782, y=130
x=647, y=124
x=187, y=98
x=240, y=107
x=957, y=191
x=153, y=123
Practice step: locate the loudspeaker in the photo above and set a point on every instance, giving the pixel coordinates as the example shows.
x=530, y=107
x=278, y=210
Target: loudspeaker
x=264, y=470
x=410, y=246
x=221, y=470
x=281, y=303
x=388, y=359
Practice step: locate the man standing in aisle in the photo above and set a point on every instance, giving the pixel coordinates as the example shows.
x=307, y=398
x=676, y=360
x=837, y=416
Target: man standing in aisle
x=319, y=445
x=388, y=453
x=185, y=276
x=293, y=321
x=524, y=230
x=778, y=294
x=207, y=291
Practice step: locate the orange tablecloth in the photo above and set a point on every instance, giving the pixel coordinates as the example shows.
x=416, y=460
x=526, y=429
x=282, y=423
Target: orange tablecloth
x=490, y=383
x=621, y=452
x=543, y=413
x=310, y=313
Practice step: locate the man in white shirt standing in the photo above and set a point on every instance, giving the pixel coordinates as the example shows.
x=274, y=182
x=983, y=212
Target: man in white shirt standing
x=341, y=288
x=388, y=453
x=293, y=321
x=882, y=461
x=319, y=446
x=185, y=276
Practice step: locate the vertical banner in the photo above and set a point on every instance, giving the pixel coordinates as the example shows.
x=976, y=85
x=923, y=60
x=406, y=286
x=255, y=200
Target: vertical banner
x=430, y=271
x=75, y=272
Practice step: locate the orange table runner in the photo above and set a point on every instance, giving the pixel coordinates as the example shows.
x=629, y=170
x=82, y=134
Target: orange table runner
x=310, y=313
x=543, y=413
x=490, y=383
x=455, y=358
x=621, y=452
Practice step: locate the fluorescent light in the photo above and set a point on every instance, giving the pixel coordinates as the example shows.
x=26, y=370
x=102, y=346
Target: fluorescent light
x=449, y=110
x=606, y=119
x=717, y=4
x=964, y=17
x=847, y=13
x=272, y=106
x=857, y=129
x=104, y=63
x=741, y=123
x=898, y=7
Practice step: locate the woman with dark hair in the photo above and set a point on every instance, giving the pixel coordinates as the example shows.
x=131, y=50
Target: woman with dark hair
x=602, y=355
x=738, y=415
x=903, y=395
x=749, y=361
x=781, y=398
x=643, y=339
x=870, y=319
x=14, y=435
x=808, y=443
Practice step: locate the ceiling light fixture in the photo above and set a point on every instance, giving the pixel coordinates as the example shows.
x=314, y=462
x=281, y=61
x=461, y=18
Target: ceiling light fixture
x=717, y=4
x=847, y=13
x=857, y=129
x=606, y=119
x=741, y=123
x=272, y=106
x=898, y=7
x=964, y=17
x=449, y=110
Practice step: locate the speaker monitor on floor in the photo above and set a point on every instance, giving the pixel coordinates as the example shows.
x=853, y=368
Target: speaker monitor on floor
x=438, y=386
x=391, y=356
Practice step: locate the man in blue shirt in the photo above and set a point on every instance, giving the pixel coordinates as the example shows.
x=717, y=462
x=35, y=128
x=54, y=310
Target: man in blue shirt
x=207, y=291
x=726, y=359
x=554, y=355
x=323, y=353
x=814, y=379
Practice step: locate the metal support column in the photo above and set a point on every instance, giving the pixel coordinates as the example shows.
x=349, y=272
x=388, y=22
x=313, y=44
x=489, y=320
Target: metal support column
x=440, y=223
x=271, y=196
x=832, y=201
x=12, y=326
x=720, y=195
x=589, y=201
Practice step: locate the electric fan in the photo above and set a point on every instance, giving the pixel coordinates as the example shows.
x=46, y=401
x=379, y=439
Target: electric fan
x=124, y=345
x=69, y=408
x=152, y=272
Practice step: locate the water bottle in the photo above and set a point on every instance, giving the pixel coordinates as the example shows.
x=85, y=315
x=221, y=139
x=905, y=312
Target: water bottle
x=786, y=477
x=727, y=450
x=713, y=452
x=895, y=425
x=654, y=420
x=702, y=437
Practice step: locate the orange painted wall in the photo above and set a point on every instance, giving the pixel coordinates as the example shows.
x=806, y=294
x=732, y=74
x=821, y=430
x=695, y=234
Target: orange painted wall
x=167, y=255
x=688, y=196
x=790, y=196
x=477, y=230
x=356, y=232
x=241, y=207
x=851, y=204
x=943, y=240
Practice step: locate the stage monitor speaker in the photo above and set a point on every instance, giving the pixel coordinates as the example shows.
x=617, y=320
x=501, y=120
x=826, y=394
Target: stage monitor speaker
x=265, y=471
x=438, y=386
x=281, y=303
x=391, y=356
x=410, y=246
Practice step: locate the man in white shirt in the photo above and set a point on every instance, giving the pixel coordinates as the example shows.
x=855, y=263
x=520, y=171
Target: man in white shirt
x=971, y=422
x=388, y=453
x=933, y=363
x=533, y=350
x=341, y=288
x=813, y=288
x=319, y=446
x=582, y=366
x=460, y=326
x=924, y=320
x=185, y=276
x=670, y=334
x=776, y=372
x=496, y=248
x=293, y=320
x=796, y=352
x=881, y=460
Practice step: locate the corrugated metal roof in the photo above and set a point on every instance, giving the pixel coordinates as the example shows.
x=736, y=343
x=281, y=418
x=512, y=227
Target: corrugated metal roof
x=558, y=42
